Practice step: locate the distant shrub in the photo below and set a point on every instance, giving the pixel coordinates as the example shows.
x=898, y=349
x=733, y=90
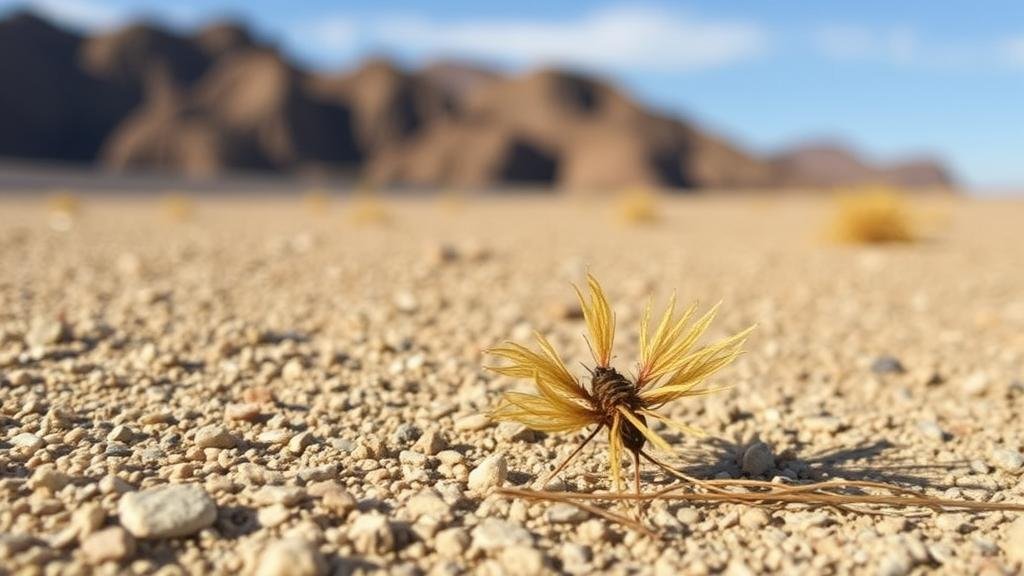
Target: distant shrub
x=317, y=200
x=367, y=208
x=873, y=215
x=178, y=207
x=638, y=206
x=64, y=202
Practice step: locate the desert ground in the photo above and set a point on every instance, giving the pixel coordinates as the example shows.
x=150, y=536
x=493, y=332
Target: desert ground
x=269, y=386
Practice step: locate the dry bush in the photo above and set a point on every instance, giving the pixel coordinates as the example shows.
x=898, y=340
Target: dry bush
x=873, y=215
x=178, y=207
x=638, y=206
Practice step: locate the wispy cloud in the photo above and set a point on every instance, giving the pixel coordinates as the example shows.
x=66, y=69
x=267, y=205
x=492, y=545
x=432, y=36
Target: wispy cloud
x=84, y=14
x=1013, y=51
x=624, y=37
x=844, y=42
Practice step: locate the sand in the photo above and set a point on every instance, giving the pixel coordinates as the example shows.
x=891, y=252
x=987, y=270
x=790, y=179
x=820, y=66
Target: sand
x=319, y=383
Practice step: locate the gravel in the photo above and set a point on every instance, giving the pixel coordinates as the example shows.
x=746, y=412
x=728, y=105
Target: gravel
x=316, y=389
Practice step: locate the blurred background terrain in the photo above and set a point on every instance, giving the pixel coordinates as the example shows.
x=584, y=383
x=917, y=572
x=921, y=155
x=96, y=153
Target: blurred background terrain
x=133, y=89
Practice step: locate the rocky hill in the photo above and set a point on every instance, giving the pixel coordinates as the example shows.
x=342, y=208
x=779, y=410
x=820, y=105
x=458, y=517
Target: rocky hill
x=144, y=98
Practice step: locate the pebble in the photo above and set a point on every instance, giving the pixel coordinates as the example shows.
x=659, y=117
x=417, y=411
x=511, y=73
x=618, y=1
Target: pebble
x=472, y=422
x=244, y=412
x=170, y=511
x=952, y=523
x=562, y=513
x=291, y=557
x=111, y=484
x=48, y=478
x=496, y=534
x=46, y=332
x=428, y=503
x=754, y=518
x=830, y=424
x=522, y=561
x=1007, y=460
x=451, y=542
x=19, y=378
x=1014, y=546
x=430, y=443
x=372, y=534
x=285, y=495
x=273, y=515
x=489, y=473
x=110, y=544
x=292, y=370
x=975, y=384
x=887, y=365
x=215, y=436
x=406, y=302
x=121, y=433
x=339, y=501
x=299, y=442
x=275, y=436
x=931, y=430
x=28, y=443
x=758, y=459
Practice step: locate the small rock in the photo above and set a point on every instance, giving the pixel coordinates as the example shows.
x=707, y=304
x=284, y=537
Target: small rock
x=830, y=424
x=293, y=370
x=273, y=515
x=562, y=513
x=495, y=534
x=758, y=459
x=472, y=422
x=1008, y=460
x=372, y=534
x=1014, y=546
x=46, y=332
x=428, y=503
x=754, y=518
x=339, y=501
x=952, y=523
x=48, y=478
x=167, y=511
x=87, y=519
x=111, y=484
x=451, y=542
x=931, y=430
x=319, y=473
x=214, y=436
x=405, y=435
x=489, y=473
x=28, y=443
x=110, y=544
x=244, y=412
x=121, y=433
x=275, y=436
x=522, y=561
x=430, y=442
x=299, y=442
x=19, y=378
x=514, y=431
x=975, y=384
x=406, y=302
x=291, y=557
x=887, y=365
x=285, y=495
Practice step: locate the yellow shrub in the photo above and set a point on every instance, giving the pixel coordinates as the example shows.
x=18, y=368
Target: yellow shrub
x=178, y=207
x=873, y=215
x=638, y=206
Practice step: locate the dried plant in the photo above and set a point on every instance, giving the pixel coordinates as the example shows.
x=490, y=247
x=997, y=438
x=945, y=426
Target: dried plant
x=873, y=215
x=669, y=369
x=368, y=208
x=638, y=206
x=63, y=208
x=317, y=200
x=178, y=207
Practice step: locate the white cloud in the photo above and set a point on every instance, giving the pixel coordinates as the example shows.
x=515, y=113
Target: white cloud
x=84, y=14
x=1013, y=51
x=625, y=37
x=898, y=45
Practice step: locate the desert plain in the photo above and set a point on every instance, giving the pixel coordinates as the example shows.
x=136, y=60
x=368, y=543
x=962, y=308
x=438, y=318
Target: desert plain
x=262, y=385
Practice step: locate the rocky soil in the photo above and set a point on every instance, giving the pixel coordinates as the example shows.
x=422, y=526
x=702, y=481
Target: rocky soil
x=266, y=389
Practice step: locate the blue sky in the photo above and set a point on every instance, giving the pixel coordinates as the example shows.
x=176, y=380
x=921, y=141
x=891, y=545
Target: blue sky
x=890, y=78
